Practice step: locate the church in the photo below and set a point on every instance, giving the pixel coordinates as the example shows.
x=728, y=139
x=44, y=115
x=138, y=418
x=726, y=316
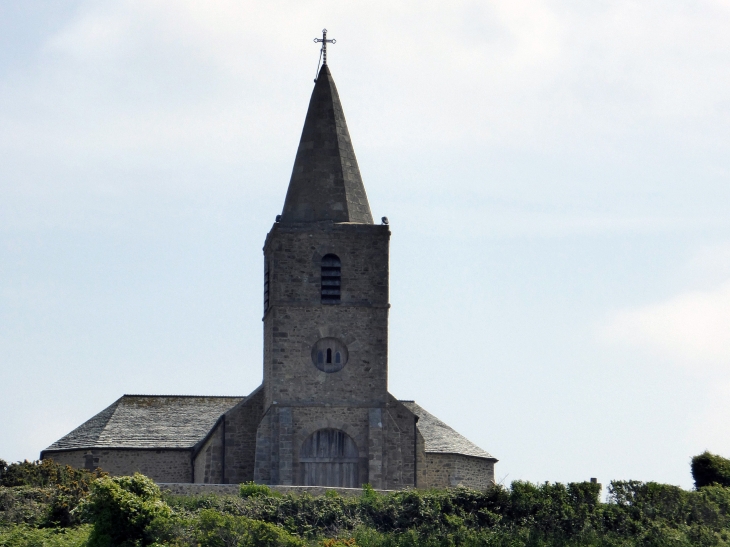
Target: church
x=323, y=415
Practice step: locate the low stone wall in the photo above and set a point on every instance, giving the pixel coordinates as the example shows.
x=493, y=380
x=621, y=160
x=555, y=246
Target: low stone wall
x=188, y=489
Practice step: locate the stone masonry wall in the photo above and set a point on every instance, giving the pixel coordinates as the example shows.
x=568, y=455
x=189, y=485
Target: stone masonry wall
x=299, y=398
x=376, y=448
x=229, y=453
x=275, y=451
x=182, y=489
x=400, y=446
x=208, y=461
x=159, y=465
x=476, y=472
x=297, y=318
x=296, y=380
x=241, y=423
x=266, y=469
x=351, y=420
x=450, y=470
x=295, y=253
x=384, y=438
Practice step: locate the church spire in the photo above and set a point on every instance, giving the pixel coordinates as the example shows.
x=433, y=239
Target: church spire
x=325, y=182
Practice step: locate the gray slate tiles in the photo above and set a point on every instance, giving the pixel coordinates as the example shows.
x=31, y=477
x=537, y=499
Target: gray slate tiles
x=325, y=182
x=149, y=421
x=442, y=439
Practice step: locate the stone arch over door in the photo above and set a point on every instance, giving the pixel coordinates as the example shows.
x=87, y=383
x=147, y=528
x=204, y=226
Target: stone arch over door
x=329, y=457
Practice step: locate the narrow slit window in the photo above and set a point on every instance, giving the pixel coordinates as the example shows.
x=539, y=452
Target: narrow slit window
x=329, y=355
x=331, y=279
x=338, y=358
x=320, y=357
x=266, y=287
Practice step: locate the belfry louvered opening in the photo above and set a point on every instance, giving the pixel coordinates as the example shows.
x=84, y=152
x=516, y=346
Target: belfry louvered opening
x=331, y=279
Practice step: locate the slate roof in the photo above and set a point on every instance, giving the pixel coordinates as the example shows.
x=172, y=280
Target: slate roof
x=440, y=438
x=325, y=182
x=149, y=421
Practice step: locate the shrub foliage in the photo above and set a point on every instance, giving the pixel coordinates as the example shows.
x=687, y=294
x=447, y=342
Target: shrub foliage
x=42, y=493
x=132, y=512
x=122, y=510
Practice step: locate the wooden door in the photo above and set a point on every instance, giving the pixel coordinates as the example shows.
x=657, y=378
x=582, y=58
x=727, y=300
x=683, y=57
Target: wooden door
x=329, y=457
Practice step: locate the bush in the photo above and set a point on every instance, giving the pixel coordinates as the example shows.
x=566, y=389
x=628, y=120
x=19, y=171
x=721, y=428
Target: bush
x=131, y=512
x=525, y=514
x=43, y=493
x=709, y=469
x=252, y=490
x=214, y=529
x=45, y=473
x=25, y=505
x=121, y=509
x=26, y=536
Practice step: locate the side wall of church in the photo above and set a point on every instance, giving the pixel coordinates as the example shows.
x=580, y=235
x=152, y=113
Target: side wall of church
x=159, y=465
x=450, y=470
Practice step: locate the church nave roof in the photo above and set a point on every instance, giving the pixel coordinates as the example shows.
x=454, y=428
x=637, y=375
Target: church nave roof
x=149, y=421
x=442, y=439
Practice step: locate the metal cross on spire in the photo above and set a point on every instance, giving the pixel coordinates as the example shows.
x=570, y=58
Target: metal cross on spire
x=324, y=41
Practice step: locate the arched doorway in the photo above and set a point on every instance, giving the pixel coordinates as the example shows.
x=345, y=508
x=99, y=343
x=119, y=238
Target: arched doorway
x=329, y=457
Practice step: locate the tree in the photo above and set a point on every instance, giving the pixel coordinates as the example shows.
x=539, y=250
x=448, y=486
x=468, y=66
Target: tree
x=708, y=469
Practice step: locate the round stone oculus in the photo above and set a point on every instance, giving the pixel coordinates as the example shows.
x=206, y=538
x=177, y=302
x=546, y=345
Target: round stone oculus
x=329, y=354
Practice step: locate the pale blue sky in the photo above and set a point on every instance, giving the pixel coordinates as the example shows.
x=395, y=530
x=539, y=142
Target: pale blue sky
x=555, y=173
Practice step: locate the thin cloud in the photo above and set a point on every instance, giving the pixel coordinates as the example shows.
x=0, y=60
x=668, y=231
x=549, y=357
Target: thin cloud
x=691, y=329
x=168, y=74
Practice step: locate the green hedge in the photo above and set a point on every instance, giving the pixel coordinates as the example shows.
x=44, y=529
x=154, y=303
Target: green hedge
x=132, y=512
x=45, y=473
x=42, y=493
x=29, y=536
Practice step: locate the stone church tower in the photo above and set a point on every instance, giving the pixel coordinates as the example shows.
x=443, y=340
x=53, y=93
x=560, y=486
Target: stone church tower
x=323, y=415
x=326, y=322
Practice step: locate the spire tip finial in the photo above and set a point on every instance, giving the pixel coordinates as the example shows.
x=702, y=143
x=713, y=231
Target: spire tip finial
x=324, y=42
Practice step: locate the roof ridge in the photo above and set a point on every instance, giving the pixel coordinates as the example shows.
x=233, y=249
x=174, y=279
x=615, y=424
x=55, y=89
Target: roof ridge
x=115, y=404
x=198, y=396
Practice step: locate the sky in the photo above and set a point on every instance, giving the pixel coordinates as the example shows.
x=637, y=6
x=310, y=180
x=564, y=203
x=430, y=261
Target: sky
x=556, y=175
